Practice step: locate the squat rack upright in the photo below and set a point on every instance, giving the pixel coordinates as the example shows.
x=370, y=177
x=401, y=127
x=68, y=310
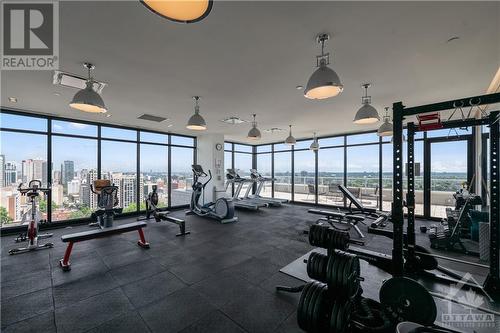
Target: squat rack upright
x=400, y=112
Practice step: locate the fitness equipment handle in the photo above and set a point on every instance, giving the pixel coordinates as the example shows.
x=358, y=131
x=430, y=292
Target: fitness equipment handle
x=32, y=187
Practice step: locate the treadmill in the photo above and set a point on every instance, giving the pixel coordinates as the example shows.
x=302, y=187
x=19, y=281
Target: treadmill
x=259, y=180
x=232, y=177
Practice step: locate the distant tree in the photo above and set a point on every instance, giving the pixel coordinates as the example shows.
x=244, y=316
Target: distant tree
x=4, y=216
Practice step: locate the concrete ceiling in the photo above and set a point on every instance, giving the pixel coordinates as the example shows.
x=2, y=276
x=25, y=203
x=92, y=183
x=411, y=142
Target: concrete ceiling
x=248, y=57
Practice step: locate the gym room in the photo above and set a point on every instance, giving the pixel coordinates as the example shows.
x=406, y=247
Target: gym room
x=250, y=166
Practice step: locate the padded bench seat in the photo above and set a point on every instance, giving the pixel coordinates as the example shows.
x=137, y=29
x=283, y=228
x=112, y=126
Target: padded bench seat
x=327, y=213
x=100, y=233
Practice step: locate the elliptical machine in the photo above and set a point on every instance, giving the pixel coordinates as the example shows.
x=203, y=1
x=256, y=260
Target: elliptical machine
x=222, y=209
x=107, y=199
x=33, y=214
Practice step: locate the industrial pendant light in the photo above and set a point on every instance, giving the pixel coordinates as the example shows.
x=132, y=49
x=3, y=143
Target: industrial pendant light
x=324, y=82
x=367, y=114
x=182, y=11
x=314, y=145
x=87, y=99
x=196, y=122
x=290, y=140
x=386, y=128
x=254, y=133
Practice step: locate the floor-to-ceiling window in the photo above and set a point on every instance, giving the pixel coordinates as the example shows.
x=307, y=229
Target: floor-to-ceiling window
x=154, y=166
x=69, y=155
x=304, y=172
x=282, y=171
x=331, y=171
x=363, y=168
x=74, y=168
x=265, y=168
x=23, y=158
x=181, y=179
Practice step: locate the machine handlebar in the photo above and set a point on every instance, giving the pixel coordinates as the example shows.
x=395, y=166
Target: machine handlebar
x=34, y=186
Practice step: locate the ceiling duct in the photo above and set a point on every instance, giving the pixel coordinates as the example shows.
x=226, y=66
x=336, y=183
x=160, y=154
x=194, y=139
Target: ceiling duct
x=150, y=117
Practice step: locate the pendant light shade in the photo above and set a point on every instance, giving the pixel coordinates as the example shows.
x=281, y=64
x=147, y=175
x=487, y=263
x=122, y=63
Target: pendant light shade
x=290, y=140
x=314, y=145
x=324, y=82
x=367, y=114
x=386, y=128
x=196, y=122
x=254, y=133
x=87, y=99
x=182, y=11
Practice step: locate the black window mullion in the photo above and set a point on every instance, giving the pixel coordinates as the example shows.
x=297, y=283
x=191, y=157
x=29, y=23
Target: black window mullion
x=49, y=170
x=138, y=175
x=169, y=174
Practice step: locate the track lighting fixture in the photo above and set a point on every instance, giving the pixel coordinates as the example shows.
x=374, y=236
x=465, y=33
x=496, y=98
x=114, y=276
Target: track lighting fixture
x=87, y=99
x=367, y=114
x=290, y=140
x=324, y=82
x=196, y=122
x=181, y=11
x=254, y=133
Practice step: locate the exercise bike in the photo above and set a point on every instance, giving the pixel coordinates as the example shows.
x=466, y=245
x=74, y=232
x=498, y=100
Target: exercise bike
x=107, y=200
x=161, y=214
x=222, y=209
x=33, y=214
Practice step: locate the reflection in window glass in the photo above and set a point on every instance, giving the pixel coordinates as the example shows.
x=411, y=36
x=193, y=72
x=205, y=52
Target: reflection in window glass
x=362, y=173
x=326, y=142
x=182, y=175
x=118, y=133
x=330, y=176
x=24, y=158
x=72, y=174
x=154, y=171
x=304, y=180
x=243, y=148
x=8, y=120
x=182, y=140
x=67, y=127
x=449, y=133
x=264, y=149
x=228, y=146
x=303, y=144
x=362, y=138
x=283, y=175
x=154, y=137
x=264, y=167
x=282, y=147
x=243, y=164
x=228, y=164
x=118, y=163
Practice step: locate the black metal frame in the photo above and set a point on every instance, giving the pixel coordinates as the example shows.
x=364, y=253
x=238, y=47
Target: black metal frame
x=400, y=112
x=48, y=133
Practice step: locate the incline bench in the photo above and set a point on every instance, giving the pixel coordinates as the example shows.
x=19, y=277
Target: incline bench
x=100, y=233
x=331, y=217
x=354, y=201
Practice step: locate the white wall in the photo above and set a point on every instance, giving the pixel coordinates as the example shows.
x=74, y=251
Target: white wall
x=211, y=159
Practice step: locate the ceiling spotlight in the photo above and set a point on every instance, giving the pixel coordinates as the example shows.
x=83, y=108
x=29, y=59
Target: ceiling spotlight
x=108, y=115
x=87, y=99
x=324, y=82
x=386, y=128
x=367, y=114
x=181, y=11
x=290, y=140
x=254, y=133
x=13, y=99
x=299, y=87
x=196, y=122
x=315, y=144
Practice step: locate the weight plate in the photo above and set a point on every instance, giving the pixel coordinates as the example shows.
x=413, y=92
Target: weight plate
x=340, y=317
x=315, y=291
x=330, y=269
x=409, y=299
x=319, y=308
x=301, y=309
x=340, y=274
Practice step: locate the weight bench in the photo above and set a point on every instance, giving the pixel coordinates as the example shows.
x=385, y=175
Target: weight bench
x=358, y=206
x=100, y=233
x=337, y=217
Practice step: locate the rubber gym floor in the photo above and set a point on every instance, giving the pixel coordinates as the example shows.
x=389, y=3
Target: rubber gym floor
x=220, y=278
